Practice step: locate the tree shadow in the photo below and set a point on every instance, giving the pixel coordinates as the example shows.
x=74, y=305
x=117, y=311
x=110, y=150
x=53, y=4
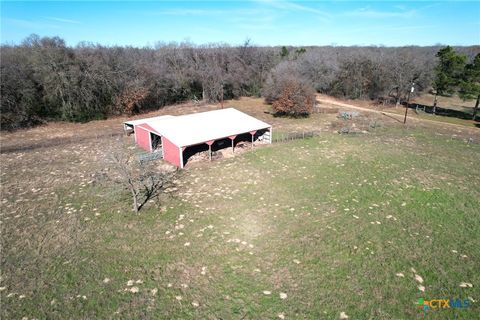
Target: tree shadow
x=290, y=115
x=392, y=117
x=27, y=146
x=466, y=114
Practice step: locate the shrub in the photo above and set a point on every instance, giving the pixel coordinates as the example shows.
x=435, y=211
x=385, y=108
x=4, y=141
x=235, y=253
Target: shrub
x=296, y=99
x=288, y=92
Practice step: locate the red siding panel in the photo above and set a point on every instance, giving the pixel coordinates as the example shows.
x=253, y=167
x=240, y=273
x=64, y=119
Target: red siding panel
x=171, y=152
x=142, y=137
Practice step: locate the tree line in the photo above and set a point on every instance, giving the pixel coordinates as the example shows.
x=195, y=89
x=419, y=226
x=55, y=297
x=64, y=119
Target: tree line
x=44, y=79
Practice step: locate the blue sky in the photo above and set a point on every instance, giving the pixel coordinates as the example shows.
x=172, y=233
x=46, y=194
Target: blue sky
x=265, y=22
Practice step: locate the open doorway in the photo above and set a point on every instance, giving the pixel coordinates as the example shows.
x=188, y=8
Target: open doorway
x=156, y=141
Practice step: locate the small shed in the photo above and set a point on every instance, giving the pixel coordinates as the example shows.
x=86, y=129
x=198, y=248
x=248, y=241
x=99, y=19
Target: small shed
x=174, y=136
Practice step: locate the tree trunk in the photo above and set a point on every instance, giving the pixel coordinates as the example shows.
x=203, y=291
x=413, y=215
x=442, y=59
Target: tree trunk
x=134, y=196
x=135, y=203
x=476, y=107
x=435, y=104
x=397, y=98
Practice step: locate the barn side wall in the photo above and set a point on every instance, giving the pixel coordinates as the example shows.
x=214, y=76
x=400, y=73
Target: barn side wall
x=171, y=152
x=142, y=137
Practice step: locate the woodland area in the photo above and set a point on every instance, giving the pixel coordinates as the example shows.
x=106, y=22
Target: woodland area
x=44, y=79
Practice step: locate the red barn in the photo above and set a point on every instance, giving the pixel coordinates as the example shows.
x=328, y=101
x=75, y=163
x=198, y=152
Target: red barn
x=178, y=136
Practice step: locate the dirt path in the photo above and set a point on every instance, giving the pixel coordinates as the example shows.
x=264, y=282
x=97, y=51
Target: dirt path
x=328, y=100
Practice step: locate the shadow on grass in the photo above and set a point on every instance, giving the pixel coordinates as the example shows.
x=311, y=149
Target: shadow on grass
x=52, y=142
x=392, y=117
x=466, y=114
x=290, y=115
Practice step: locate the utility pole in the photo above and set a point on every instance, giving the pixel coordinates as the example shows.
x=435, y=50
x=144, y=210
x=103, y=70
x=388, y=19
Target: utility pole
x=408, y=101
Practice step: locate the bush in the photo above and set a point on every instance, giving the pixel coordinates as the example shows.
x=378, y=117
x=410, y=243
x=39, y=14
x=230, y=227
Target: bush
x=296, y=99
x=288, y=92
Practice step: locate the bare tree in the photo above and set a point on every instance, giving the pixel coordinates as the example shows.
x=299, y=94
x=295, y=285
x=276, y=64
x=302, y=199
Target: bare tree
x=143, y=180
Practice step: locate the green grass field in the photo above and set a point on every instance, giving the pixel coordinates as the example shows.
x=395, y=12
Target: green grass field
x=308, y=229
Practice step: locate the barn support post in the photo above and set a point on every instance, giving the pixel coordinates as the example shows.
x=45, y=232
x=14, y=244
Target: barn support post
x=210, y=148
x=233, y=142
x=181, y=149
x=253, y=135
x=150, y=140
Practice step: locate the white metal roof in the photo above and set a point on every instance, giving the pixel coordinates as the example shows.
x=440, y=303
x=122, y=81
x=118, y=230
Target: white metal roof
x=200, y=127
x=146, y=120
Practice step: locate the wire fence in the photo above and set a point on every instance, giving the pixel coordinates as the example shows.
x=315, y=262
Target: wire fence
x=150, y=156
x=325, y=110
x=289, y=136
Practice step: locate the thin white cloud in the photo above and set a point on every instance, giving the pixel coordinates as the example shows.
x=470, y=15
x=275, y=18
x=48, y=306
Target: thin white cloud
x=400, y=28
x=385, y=28
x=204, y=12
x=63, y=20
x=249, y=19
x=370, y=13
x=27, y=24
x=265, y=22
x=293, y=6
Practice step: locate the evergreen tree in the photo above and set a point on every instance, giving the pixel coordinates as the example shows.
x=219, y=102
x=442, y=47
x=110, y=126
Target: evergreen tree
x=470, y=83
x=284, y=53
x=449, y=71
